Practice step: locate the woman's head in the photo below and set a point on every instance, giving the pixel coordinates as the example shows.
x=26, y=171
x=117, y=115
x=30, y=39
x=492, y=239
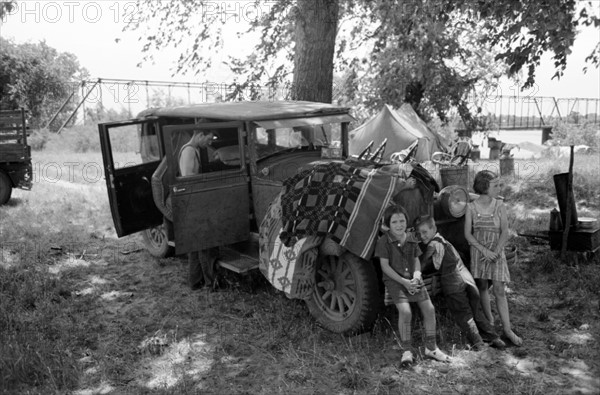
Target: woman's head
x=483, y=180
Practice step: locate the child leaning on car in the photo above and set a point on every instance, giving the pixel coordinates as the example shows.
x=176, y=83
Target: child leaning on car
x=460, y=292
x=398, y=255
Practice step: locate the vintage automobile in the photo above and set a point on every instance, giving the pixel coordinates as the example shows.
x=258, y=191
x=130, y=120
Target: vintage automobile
x=268, y=162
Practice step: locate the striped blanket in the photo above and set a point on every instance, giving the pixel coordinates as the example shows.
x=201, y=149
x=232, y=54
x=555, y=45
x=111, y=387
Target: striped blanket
x=344, y=201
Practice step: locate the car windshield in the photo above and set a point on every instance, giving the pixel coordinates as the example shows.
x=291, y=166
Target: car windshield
x=273, y=141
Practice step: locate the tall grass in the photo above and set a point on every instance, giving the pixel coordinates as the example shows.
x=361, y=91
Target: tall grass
x=83, y=138
x=40, y=329
x=43, y=323
x=531, y=194
x=537, y=177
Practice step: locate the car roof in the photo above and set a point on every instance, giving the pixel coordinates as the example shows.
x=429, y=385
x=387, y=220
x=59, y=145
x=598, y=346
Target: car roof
x=248, y=110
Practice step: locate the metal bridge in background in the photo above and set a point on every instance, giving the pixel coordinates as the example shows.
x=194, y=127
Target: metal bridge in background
x=498, y=113
x=135, y=95
x=537, y=112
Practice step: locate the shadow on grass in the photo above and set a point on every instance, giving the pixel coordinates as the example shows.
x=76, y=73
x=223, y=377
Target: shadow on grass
x=14, y=202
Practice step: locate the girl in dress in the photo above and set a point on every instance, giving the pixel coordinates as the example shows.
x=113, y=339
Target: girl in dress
x=486, y=230
x=398, y=253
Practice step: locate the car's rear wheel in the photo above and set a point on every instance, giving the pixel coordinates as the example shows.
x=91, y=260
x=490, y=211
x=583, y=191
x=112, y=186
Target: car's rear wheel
x=346, y=297
x=157, y=242
x=5, y=188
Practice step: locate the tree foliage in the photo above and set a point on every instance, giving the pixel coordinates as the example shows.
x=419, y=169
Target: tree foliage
x=6, y=7
x=433, y=54
x=426, y=54
x=39, y=78
x=429, y=53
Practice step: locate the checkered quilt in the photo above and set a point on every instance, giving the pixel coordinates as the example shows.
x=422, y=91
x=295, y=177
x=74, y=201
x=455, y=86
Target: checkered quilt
x=344, y=201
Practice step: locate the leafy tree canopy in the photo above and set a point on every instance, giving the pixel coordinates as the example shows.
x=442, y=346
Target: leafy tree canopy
x=39, y=78
x=6, y=7
x=429, y=53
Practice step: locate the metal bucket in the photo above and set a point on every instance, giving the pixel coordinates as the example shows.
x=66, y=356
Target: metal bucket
x=507, y=166
x=475, y=154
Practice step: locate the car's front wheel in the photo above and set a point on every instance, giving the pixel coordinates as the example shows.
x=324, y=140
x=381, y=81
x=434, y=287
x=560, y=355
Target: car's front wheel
x=157, y=242
x=346, y=297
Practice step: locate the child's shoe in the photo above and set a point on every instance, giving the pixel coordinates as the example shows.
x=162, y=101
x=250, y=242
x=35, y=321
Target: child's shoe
x=407, y=358
x=498, y=343
x=438, y=355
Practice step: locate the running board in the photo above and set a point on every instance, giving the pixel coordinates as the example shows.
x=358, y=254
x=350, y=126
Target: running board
x=236, y=261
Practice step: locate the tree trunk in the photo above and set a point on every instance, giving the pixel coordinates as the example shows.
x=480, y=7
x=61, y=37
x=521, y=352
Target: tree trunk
x=316, y=29
x=413, y=94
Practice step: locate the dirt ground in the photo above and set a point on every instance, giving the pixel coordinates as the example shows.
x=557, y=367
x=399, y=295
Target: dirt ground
x=145, y=331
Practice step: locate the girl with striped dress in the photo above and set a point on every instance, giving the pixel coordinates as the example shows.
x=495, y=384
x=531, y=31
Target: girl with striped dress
x=486, y=230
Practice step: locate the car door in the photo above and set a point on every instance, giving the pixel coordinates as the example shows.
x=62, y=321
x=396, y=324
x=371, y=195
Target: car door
x=211, y=208
x=128, y=173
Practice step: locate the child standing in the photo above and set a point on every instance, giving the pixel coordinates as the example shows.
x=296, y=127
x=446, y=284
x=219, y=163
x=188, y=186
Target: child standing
x=398, y=254
x=486, y=230
x=461, y=298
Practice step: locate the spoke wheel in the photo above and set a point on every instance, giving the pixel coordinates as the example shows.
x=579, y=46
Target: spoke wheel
x=157, y=242
x=345, y=299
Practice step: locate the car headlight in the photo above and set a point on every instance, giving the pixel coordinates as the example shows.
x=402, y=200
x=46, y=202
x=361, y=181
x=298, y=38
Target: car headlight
x=454, y=199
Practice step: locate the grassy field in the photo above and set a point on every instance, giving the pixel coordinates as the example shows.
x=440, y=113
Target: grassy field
x=84, y=312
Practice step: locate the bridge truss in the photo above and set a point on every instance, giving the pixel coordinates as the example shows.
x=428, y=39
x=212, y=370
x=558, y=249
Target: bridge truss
x=512, y=112
x=499, y=113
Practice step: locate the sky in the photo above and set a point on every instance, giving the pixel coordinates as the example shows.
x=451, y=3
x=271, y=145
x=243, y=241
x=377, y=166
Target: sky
x=92, y=30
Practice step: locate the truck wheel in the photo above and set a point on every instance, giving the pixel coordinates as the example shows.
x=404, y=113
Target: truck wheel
x=157, y=242
x=5, y=188
x=346, y=297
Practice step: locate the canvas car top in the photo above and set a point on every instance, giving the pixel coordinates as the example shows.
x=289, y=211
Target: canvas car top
x=247, y=111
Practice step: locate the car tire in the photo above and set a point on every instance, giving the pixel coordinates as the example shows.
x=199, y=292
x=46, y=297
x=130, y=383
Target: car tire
x=346, y=295
x=157, y=242
x=5, y=188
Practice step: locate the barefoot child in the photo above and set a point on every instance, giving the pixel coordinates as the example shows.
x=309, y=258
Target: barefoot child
x=460, y=292
x=486, y=230
x=398, y=254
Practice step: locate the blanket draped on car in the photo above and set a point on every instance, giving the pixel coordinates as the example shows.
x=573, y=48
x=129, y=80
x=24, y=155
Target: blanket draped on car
x=289, y=269
x=340, y=201
x=343, y=201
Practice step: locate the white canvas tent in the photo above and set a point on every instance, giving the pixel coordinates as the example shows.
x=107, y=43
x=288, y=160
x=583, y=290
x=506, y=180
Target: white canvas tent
x=401, y=127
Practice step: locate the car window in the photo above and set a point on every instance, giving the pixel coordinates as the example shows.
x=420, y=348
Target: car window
x=221, y=152
x=130, y=147
x=273, y=141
